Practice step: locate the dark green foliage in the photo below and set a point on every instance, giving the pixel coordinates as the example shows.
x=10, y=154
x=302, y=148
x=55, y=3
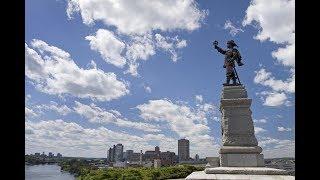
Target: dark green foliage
x=172, y=172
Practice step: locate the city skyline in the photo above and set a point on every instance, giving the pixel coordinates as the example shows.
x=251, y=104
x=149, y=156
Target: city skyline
x=95, y=77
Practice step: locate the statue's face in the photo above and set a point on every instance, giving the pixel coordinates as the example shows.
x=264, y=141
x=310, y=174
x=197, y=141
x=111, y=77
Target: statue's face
x=229, y=45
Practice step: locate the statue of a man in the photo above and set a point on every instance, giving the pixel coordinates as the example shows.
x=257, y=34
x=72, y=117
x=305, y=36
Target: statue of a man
x=231, y=55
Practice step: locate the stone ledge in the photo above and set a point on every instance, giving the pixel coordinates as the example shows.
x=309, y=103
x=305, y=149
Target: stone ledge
x=244, y=102
x=246, y=171
x=201, y=175
x=240, y=150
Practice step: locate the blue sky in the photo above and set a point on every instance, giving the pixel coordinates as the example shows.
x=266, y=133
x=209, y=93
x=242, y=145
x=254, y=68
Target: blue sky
x=146, y=74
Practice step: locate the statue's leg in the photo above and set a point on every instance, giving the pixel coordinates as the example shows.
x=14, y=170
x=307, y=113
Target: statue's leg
x=227, y=79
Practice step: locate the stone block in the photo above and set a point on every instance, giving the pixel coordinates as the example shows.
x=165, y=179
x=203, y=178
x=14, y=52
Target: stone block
x=240, y=150
x=241, y=160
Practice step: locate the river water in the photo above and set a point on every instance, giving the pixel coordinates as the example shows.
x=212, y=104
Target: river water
x=46, y=172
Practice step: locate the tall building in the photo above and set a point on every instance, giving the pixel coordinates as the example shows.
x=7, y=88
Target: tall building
x=111, y=154
x=118, y=153
x=59, y=155
x=183, y=150
x=196, y=157
x=128, y=155
x=51, y=155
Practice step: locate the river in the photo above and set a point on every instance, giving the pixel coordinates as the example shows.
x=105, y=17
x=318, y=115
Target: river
x=46, y=172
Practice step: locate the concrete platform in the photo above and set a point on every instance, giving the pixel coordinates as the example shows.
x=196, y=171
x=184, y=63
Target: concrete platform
x=201, y=175
x=246, y=170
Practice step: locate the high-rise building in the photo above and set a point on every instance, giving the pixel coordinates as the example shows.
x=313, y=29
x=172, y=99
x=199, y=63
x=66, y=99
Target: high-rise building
x=157, y=150
x=183, y=150
x=128, y=155
x=59, y=155
x=111, y=154
x=118, y=153
x=196, y=157
x=51, y=155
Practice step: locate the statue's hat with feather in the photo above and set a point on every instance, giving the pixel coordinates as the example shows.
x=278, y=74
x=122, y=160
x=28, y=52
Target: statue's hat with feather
x=232, y=43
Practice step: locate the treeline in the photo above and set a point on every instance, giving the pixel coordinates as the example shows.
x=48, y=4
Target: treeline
x=83, y=171
x=76, y=167
x=33, y=160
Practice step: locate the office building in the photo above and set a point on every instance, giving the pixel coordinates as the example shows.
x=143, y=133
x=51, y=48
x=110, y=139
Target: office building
x=183, y=150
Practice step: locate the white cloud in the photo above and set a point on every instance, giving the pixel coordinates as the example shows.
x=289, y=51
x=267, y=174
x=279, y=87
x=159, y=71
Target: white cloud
x=280, y=31
x=140, y=17
x=286, y=55
x=260, y=121
x=53, y=106
x=139, y=48
x=199, y=98
x=147, y=89
x=275, y=99
x=279, y=88
x=258, y=130
x=184, y=121
x=277, y=148
x=281, y=129
x=29, y=113
x=265, y=78
x=170, y=44
x=232, y=29
x=109, y=46
x=54, y=72
x=71, y=139
x=98, y=115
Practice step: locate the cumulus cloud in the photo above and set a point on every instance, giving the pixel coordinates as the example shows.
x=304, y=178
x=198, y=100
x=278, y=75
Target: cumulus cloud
x=267, y=79
x=99, y=115
x=258, y=130
x=199, y=98
x=109, y=47
x=147, y=89
x=29, y=113
x=170, y=45
x=137, y=40
x=280, y=31
x=71, y=139
x=139, y=48
x=185, y=121
x=54, y=72
x=279, y=89
x=281, y=129
x=275, y=99
x=53, y=106
x=232, y=29
x=140, y=17
x=260, y=121
x=277, y=148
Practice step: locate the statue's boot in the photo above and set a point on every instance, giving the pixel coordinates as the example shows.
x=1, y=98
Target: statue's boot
x=228, y=82
x=234, y=81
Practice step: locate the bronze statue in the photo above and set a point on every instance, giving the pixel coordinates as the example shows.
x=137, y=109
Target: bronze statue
x=231, y=55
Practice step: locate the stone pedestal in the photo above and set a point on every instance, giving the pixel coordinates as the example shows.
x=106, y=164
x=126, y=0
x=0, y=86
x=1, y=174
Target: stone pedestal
x=240, y=146
x=240, y=155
